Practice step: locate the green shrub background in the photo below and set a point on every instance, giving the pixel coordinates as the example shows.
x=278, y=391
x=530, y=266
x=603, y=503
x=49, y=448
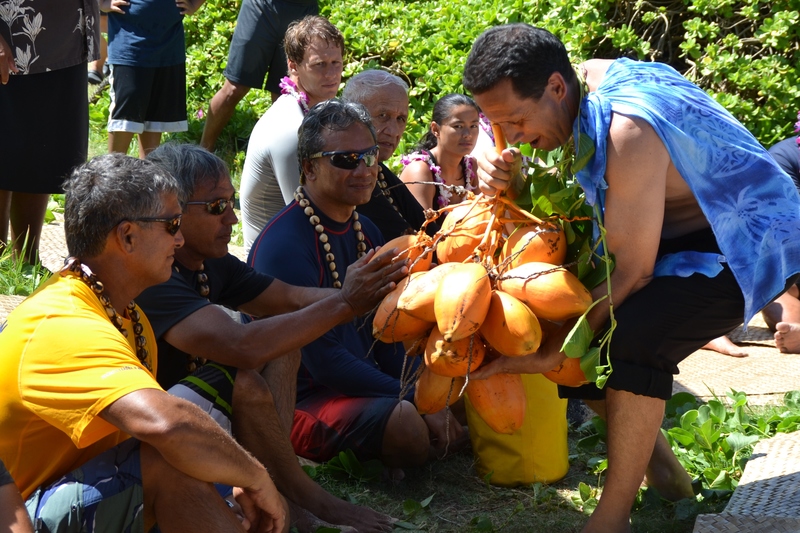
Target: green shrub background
x=746, y=53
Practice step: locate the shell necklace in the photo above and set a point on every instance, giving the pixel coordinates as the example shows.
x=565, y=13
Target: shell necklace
x=384, y=188
x=303, y=202
x=201, y=282
x=86, y=275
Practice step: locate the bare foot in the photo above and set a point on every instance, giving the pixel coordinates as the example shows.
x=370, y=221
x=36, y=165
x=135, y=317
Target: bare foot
x=787, y=337
x=395, y=475
x=725, y=346
x=672, y=484
x=356, y=517
x=305, y=522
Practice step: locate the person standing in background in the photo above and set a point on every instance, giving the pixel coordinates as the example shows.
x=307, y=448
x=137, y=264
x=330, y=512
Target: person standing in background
x=44, y=109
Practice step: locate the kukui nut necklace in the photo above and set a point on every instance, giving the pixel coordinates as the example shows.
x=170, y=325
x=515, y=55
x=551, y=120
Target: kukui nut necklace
x=303, y=202
x=201, y=281
x=86, y=275
x=384, y=188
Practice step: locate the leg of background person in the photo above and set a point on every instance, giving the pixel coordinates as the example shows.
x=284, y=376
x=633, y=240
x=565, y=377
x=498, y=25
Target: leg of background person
x=633, y=426
x=27, y=219
x=664, y=472
x=281, y=377
x=257, y=427
x=406, y=439
x=5, y=217
x=119, y=141
x=178, y=502
x=148, y=141
x=97, y=65
x=783, y=317
x=220, y=111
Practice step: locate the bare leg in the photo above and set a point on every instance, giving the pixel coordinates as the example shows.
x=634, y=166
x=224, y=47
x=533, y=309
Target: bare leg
x=633, y=426
x=406, y=440
x=119, y=141
x=664, y=472
x=5, y=217
x=281, y=377
x=27, y=219
x=220, y=111
x=258, y=428
x=13, y=515
x=725, y=346
x=181, y=503
x=148, y=141
x=783, y=317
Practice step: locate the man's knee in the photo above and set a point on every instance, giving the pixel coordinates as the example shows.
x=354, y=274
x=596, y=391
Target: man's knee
x=406, y=435
x=234, y=92
x=250, y=389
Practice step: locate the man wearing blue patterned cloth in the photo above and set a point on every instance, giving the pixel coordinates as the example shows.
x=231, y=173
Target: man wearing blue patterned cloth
x=703, y=225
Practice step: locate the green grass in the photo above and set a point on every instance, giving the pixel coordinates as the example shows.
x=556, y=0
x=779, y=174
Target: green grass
x=18, y=278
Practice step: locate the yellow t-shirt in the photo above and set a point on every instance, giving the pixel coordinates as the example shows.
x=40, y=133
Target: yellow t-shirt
x=62, y=362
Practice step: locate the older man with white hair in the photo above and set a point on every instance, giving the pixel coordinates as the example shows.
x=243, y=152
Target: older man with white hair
x=392, y=207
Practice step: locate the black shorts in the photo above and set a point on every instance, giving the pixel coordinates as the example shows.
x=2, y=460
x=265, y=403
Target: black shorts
x=147, y=99
x=665, y=322
x=44, y=129
x=257, y=44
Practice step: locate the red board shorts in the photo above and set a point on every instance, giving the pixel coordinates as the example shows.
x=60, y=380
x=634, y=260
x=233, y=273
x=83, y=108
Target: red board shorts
x=329, y=423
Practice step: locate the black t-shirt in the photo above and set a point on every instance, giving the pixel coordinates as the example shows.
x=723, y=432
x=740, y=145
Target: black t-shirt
x=787, y=155
x=231, y=282
x=391, y=223
x=5, y=477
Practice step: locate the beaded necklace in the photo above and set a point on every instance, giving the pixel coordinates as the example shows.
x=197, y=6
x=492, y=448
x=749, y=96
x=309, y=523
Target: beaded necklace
x=201, y=282
x=289, y=87
x=315, y=221
x=384, y=188
x=444, y=190
x=86, y=275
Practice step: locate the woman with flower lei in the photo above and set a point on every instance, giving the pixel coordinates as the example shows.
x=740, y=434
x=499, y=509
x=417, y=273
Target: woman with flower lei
x=441, y=161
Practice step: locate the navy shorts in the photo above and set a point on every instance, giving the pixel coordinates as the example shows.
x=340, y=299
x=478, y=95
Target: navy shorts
x=257, y=44
x=329, y=423
x=147, y=99
x=666, y=321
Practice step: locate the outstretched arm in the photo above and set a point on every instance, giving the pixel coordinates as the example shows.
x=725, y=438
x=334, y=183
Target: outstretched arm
x=210, y=333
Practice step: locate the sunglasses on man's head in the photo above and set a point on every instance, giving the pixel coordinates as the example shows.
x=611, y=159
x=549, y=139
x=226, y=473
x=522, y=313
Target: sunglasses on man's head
x=349, y=160
x=217, y=207
x=172, y=224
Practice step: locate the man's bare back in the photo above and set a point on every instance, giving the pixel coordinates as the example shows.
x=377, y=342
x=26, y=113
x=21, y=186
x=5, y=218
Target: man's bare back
x=682, y=213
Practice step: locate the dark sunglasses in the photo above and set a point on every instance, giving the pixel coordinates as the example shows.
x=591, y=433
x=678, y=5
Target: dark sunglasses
x=217, y=207
x=349, y=160
x=172, y=225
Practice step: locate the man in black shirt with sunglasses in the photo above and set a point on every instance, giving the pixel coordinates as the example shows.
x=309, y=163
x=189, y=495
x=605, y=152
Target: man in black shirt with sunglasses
x=245, y=373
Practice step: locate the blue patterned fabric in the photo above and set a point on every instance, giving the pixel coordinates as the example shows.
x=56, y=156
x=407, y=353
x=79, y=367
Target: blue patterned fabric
x=751, y=204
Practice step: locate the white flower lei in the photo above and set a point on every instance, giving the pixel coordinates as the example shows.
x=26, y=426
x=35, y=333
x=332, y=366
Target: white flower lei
x=444, y=190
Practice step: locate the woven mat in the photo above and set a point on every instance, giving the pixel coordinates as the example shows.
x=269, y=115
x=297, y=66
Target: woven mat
x=765, y=374
x=768, y=495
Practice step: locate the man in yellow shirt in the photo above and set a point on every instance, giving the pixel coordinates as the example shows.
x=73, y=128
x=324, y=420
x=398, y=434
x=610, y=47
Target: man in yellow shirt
x=77, y=380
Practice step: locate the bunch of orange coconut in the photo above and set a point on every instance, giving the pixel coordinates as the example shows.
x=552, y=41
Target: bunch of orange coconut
x=497, y=286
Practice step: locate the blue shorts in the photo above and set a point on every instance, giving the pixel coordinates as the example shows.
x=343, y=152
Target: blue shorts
x=105, y=494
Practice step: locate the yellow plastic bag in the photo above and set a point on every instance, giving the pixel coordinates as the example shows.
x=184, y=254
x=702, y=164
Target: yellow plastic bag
x=537, y=451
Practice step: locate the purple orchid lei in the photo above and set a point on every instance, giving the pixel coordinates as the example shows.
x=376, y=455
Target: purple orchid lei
x=797, y=129
x=289, y=87
x=486, y=126
x=444, y=190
